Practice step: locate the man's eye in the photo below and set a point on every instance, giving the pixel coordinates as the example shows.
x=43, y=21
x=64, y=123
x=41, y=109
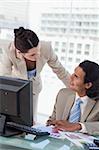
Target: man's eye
x=32, y=54
x=75, y=75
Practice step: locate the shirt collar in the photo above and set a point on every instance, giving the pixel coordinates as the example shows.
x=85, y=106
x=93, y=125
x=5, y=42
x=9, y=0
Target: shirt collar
x=84, y=98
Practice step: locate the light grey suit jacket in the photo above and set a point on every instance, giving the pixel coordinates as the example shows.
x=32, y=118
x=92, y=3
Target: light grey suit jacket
x=64, y=102
x=12, y=66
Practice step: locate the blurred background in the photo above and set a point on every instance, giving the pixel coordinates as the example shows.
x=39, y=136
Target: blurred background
x=72, y=27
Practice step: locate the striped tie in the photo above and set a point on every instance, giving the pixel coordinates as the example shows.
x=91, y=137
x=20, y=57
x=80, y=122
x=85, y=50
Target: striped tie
x=75, y=112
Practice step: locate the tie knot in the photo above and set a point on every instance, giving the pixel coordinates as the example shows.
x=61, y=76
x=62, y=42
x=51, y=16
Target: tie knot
x=78, y=101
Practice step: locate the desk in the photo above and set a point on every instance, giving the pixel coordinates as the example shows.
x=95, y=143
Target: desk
x=19, y=143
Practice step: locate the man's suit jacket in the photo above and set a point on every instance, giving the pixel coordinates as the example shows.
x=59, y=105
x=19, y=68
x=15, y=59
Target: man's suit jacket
x=12, y=66
x=64, y=102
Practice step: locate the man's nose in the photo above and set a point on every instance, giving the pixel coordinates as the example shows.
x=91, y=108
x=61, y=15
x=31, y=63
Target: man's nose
x=71, y=77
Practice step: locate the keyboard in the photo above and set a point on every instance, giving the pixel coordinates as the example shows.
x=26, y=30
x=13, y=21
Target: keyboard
x=26, y=129
x=91, y=146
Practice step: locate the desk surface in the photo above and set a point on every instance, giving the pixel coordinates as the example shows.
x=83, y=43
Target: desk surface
x=19, y=143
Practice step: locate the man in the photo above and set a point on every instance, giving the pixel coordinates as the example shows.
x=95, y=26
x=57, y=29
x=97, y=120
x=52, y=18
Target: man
x=25, y=59
x=84, y=88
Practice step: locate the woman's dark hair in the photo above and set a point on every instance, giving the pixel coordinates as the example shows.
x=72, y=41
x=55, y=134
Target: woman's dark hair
x=25, y=39
x=91, y=70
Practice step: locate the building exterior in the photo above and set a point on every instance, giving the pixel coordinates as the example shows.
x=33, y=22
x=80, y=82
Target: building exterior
x=74, y=33
x=12, y=15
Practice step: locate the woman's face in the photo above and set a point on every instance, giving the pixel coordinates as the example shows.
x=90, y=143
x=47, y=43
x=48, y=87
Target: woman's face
x=32, y=54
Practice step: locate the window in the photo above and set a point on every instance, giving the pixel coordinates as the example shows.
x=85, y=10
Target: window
x=56, y=43
x=77, y=60
x=70, y=59
x=71, y=51
x=71, y=45
x=79, y=46
x=56, y=49
x=87, y=46
x=78, y=52
x=63, y=44
x=63, y=50
x=62, y=58
x=86, y=53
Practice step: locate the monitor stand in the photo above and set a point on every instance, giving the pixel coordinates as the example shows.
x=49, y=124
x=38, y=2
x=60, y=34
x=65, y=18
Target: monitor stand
x=7, y=131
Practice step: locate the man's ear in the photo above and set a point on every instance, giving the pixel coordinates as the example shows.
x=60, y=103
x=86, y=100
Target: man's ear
x=88, y=85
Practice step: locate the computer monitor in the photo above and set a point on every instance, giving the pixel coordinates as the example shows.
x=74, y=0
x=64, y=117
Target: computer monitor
x=16, y=102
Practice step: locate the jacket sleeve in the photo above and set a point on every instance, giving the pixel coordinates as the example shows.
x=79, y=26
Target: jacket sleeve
x=92, y=123
x=92, y=127
x=55, y=109
x=59, y=106
x=5, y=65
x=11, y=65
x=58, y=68
x=53, y=115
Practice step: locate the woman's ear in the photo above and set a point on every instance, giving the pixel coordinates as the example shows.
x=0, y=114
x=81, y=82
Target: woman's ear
x=88, y=85
x=19, y=54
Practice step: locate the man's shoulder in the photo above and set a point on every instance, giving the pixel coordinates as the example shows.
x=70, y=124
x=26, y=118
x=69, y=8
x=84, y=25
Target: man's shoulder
x=64, y=95
x=66, y=91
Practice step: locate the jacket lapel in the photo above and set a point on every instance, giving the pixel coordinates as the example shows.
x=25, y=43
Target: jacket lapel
x=69, y=103
x=40, y=63
x=88, y=109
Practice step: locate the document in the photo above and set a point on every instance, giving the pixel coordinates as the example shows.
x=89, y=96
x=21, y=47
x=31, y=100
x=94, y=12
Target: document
x=49, y=129
x=78, y=138
x=75, y=137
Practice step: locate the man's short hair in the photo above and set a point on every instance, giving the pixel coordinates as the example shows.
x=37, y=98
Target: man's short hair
x=25, y=39
x=91, y=70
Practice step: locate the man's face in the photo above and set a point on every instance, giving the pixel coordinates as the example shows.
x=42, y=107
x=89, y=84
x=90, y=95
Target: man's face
x=77, y=81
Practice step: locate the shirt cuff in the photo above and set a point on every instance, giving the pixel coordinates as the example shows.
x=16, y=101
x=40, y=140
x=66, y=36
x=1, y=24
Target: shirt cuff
x=83, y=130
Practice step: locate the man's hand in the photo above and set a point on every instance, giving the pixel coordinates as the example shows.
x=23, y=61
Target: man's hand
x=50, y=122
x=64, y=125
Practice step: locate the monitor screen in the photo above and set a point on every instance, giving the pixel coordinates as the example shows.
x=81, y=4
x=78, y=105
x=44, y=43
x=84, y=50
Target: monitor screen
x=16, y=100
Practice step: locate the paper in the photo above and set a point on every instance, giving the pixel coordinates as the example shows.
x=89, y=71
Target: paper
x=75, y=137
x=30, y=137
x=78, y=138
x=57, y=135
x=40, y=145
